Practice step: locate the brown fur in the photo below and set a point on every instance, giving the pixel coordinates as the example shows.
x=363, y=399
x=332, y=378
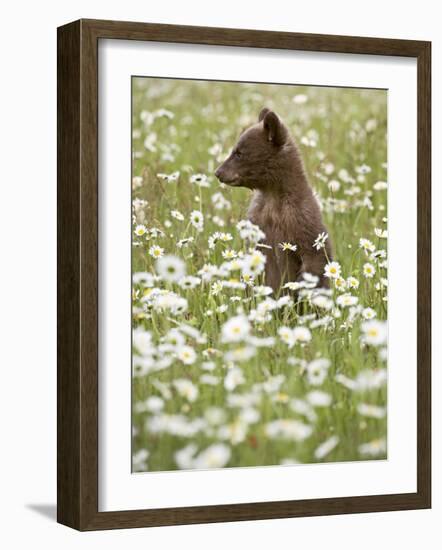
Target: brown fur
x=267, y=160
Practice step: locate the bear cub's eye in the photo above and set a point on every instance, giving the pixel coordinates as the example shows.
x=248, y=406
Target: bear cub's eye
x=237, y=153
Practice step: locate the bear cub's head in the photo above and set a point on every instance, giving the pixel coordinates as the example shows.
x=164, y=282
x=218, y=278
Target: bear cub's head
x=261, y=152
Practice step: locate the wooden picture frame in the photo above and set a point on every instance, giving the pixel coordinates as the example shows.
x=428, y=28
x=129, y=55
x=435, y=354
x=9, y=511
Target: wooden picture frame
x=77, y=461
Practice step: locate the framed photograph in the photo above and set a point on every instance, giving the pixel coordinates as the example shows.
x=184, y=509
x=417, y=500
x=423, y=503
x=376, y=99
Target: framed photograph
x=243, y=274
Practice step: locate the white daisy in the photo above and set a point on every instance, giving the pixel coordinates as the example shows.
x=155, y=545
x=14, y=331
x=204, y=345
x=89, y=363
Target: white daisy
x=229, y=254
x=366, y=245
x=233, y=378
x=169, y=177
x=374, y=332
x=302, y=334
x=154, y=404
x=189, y=282
x=177, y=215
x=209, y=380
x=139, y=460
x=371, y=125
x=346, y=300
x=380, y=233
x=352, y=282
x=218, y=221
x=287, y=336
x=369, y=270
x=334, y=185
x=253, y=264
x=328, y=168
x=225, y=237
x=380, y=185
x=262, y=290
x=216, y=288
x=235, y=329
x=363, y=169
x=140, y=230
x=320, y=241
x=373, y=448
x=186, y=389
x=137, y=181
x=175, y=338
x=156, y=251
x=288, y=246
x=368, y=313
x=326, y=447
x=201, y=180
x=317, y=371
x=170, y=268
x=372, y=411
x=340, y=284
x=240, y=355
x=300, y=99
x=184, y=457
x=235, y=432
x=197, y=219
x=186, y=355
x=215, y=456
x=142, y=341
x=288, y=429
x=184, y=242
x=319, y=398
x=332, y=270
x=322, y=302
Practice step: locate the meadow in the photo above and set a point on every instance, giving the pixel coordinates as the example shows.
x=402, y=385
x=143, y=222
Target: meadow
x=225, y=372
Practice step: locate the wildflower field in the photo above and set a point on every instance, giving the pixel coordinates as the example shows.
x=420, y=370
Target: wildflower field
x=227, y=373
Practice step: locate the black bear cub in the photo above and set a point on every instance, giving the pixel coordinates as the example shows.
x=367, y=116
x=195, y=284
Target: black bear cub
x=267, y=160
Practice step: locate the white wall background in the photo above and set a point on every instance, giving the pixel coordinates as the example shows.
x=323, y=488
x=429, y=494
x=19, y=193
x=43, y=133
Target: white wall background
x=28, y=276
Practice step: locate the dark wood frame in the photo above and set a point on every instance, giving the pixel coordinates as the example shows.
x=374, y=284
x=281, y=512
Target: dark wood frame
x=77, y=225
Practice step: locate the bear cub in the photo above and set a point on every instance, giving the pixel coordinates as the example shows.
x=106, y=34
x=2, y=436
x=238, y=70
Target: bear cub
x=267, y=160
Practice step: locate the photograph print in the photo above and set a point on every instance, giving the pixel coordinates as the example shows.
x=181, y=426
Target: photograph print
x=259, y=274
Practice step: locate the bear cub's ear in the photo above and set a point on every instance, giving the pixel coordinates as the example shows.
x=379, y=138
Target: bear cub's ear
x=274, y=128
x=263, y=113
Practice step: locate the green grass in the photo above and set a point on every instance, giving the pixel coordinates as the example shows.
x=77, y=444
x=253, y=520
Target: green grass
x=349, y=129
